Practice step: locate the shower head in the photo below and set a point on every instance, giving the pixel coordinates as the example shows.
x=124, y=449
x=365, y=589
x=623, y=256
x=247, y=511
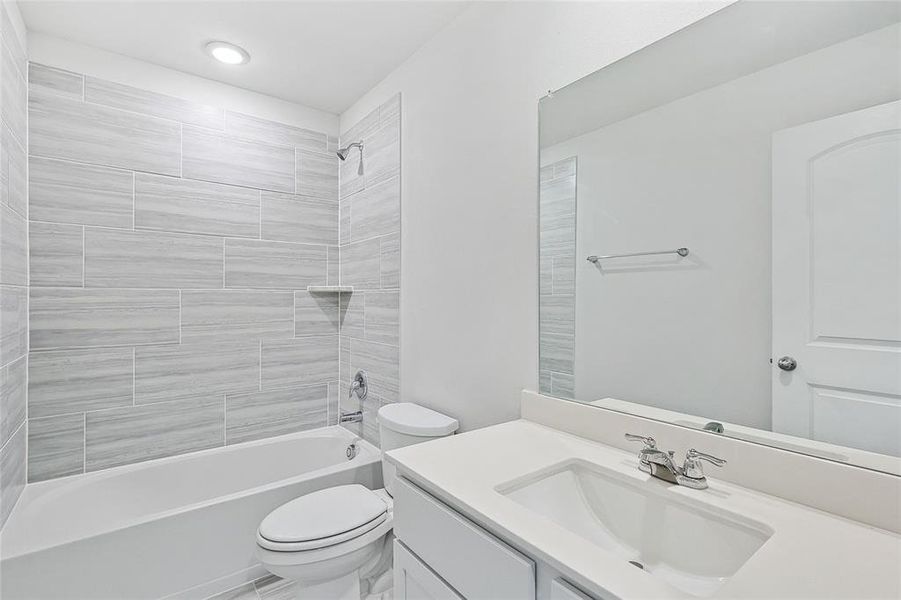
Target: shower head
x=343, y=152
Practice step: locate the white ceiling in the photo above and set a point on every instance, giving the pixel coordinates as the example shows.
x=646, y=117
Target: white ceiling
x=324, y=55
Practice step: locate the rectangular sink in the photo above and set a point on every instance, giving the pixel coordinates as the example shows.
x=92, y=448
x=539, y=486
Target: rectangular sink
x=692, y=547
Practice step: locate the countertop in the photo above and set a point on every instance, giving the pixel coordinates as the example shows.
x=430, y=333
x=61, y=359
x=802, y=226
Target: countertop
x=811, y=554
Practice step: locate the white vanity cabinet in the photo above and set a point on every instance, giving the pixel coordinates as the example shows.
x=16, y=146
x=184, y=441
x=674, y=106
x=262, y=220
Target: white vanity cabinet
x=440, y=554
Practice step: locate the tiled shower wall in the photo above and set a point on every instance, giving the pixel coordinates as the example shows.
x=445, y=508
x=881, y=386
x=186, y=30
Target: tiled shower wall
x=171, y=245
x=557, y=256
x=370, y=261
x=13, y=265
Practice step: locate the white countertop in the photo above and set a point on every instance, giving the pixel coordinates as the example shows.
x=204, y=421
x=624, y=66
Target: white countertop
x=811, y=554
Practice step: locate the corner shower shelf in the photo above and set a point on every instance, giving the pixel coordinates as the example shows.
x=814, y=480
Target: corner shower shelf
x=330, y=289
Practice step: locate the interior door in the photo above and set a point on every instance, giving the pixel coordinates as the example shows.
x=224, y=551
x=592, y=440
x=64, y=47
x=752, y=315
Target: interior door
x=837, y=280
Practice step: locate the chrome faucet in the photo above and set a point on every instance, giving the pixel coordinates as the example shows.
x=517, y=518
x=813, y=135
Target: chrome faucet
x=661, y=465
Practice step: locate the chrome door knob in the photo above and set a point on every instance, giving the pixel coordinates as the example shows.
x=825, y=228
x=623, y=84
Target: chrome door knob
x=787, y=363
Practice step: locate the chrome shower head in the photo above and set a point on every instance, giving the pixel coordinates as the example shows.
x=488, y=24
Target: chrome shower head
x=343, y=152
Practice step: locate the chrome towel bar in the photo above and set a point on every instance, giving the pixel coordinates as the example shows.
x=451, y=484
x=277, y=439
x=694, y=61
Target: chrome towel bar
x=679, y=251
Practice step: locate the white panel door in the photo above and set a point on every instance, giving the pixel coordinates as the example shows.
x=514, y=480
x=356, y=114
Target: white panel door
x=837, y=279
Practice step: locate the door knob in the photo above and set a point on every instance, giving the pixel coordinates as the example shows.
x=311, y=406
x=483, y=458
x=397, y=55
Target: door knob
x=787, y=363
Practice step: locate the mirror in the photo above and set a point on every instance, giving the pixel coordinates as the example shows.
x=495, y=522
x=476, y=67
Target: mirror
x=720, y=230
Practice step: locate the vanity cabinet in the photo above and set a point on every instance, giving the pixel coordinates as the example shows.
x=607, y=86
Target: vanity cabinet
x=440, y=554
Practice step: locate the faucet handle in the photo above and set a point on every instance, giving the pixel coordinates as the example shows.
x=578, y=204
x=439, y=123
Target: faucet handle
x=693, y=470
x=648, y=441
x=695, y=455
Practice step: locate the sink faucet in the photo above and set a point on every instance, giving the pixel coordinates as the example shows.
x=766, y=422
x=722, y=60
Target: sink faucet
x=661, y=465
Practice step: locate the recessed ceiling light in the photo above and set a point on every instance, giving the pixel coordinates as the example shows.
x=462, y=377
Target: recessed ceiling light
x=229, y=54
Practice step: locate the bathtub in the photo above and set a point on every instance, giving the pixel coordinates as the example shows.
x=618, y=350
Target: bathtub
x=182, y=527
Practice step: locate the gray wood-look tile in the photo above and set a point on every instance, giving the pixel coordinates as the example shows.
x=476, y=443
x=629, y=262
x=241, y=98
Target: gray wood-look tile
x=382, y=317
x=13, y=323
x=375, y=211
x=344, y=218
x=13, y=44
x=300, y=361
x=362, y=128
x=70, y=130
x=545, y=275
x=236, y=315
x=192, y=370
x=334, y=266
x=565, y=167
x=55, y=447
x=557, y=217
x=116, y=95
x=315, y=313
x=151, y=259
x=389, y=111
x=185, y=205
x=67, y=317
x=13, y=97
x=12, y=472
x=123, y=436
x=382, y=154
x=317, y=175
x=58, y=81
x=13, y=245
x=557, y=314
x=250, y=127
x=13, y=172
x=390, y=261
x=213, y=156
x=370, y=429
x=265, y=414
x=66, y=192
x=381, y=362
x=75, y=381
x=360, y=264
x=56, y=254
x=274, y=265
x=544, y=382
x=563, y=385
x=350, y=315
x=334, y=409
x=290, y=218
x=556, y=352
x=12, y=398
x=564, y=274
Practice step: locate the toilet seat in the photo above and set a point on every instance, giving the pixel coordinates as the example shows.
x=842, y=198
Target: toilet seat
x=322, y=519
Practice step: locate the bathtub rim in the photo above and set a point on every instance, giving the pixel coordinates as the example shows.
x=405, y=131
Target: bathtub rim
x=367, y=454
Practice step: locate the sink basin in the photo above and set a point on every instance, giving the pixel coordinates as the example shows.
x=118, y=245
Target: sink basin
x=689, y=545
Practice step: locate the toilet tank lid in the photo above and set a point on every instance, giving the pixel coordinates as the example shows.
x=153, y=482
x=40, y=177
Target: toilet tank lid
x=412, y=419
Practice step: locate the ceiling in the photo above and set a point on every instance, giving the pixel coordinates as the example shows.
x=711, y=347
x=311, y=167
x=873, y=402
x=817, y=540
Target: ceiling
x=324, y=55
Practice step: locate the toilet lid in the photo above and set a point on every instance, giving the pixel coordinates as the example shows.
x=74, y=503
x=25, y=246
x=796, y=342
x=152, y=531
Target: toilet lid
x=324, y=514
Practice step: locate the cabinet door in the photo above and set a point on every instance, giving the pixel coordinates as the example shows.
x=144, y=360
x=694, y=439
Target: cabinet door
x=413, y=580
x=562, y=590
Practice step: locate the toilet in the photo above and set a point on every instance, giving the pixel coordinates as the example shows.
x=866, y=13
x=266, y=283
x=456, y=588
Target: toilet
x=336, y=542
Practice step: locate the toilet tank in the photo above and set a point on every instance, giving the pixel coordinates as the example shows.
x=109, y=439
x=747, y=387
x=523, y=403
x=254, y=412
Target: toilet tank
x=404, y=423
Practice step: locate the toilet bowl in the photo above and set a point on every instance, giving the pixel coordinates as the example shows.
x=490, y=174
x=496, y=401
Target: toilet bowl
x=336, y=542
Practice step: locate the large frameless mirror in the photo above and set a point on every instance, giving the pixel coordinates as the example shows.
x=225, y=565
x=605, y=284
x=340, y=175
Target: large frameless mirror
x=720, y=230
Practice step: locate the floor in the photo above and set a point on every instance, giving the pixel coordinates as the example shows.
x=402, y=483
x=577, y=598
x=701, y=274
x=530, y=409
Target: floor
x=271, y=587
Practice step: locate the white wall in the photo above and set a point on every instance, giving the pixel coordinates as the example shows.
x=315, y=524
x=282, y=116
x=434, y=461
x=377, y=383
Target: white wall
x=696, y=173
x=80, y=58
x=469, y=300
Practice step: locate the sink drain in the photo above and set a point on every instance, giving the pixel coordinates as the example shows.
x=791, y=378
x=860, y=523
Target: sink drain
x=635, y=563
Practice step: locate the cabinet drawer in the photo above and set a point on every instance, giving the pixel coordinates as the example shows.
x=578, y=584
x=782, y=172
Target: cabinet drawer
x=474, y=562
x=413, y=580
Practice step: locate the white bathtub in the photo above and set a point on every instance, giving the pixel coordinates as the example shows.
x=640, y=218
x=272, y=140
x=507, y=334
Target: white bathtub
x=183, y=526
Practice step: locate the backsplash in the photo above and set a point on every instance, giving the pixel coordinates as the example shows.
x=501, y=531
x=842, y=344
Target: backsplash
x=370, y=261
x=13, y=265
x=557, y=256
x=171, y=248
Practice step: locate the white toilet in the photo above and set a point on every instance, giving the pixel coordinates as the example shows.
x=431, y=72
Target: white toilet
x=330, y=540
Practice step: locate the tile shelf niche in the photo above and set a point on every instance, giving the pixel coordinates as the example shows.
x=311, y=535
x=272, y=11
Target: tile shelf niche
x=330, y=289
